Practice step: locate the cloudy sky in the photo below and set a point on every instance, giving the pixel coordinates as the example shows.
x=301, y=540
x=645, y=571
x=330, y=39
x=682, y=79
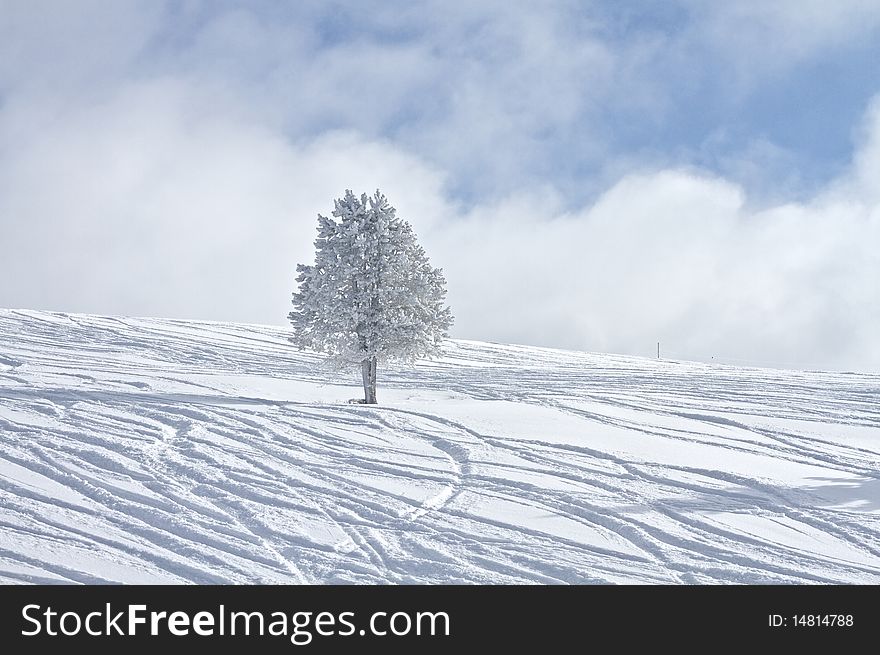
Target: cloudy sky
x=590, y=175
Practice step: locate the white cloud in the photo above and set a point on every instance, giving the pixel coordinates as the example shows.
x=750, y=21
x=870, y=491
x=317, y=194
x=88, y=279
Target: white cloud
x=864, y=179
x=72, y=46
x=137, y=206
x=761, y=38
x=678, y=257
x=186, y=183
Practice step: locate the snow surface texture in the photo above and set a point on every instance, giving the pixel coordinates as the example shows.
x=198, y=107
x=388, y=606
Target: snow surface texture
x=149, y=450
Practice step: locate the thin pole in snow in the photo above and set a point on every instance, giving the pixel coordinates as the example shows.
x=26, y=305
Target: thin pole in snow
x=658, y=350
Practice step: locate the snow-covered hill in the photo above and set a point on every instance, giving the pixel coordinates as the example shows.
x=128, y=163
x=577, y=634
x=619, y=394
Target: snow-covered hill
x=148, y=450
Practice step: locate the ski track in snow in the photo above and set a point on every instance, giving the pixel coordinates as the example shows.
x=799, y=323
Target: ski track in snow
x=152, y=450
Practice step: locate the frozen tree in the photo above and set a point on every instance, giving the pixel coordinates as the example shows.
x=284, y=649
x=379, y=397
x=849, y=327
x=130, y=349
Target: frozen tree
x=371, y=296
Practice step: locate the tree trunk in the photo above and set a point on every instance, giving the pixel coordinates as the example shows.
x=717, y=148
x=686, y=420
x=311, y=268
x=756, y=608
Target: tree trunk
x=365, y=376
x=368, y=374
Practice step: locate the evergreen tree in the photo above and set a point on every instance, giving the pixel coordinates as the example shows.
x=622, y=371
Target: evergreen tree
x=371, y=296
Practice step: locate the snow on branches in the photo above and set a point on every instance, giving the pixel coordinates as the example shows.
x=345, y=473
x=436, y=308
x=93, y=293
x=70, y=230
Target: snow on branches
x=371, y=295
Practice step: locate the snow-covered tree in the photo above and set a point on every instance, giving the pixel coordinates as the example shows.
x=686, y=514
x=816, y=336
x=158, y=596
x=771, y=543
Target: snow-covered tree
x=371, y=295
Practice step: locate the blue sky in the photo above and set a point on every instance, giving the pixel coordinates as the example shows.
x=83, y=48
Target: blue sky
x=676, y=83
x=170, y=157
